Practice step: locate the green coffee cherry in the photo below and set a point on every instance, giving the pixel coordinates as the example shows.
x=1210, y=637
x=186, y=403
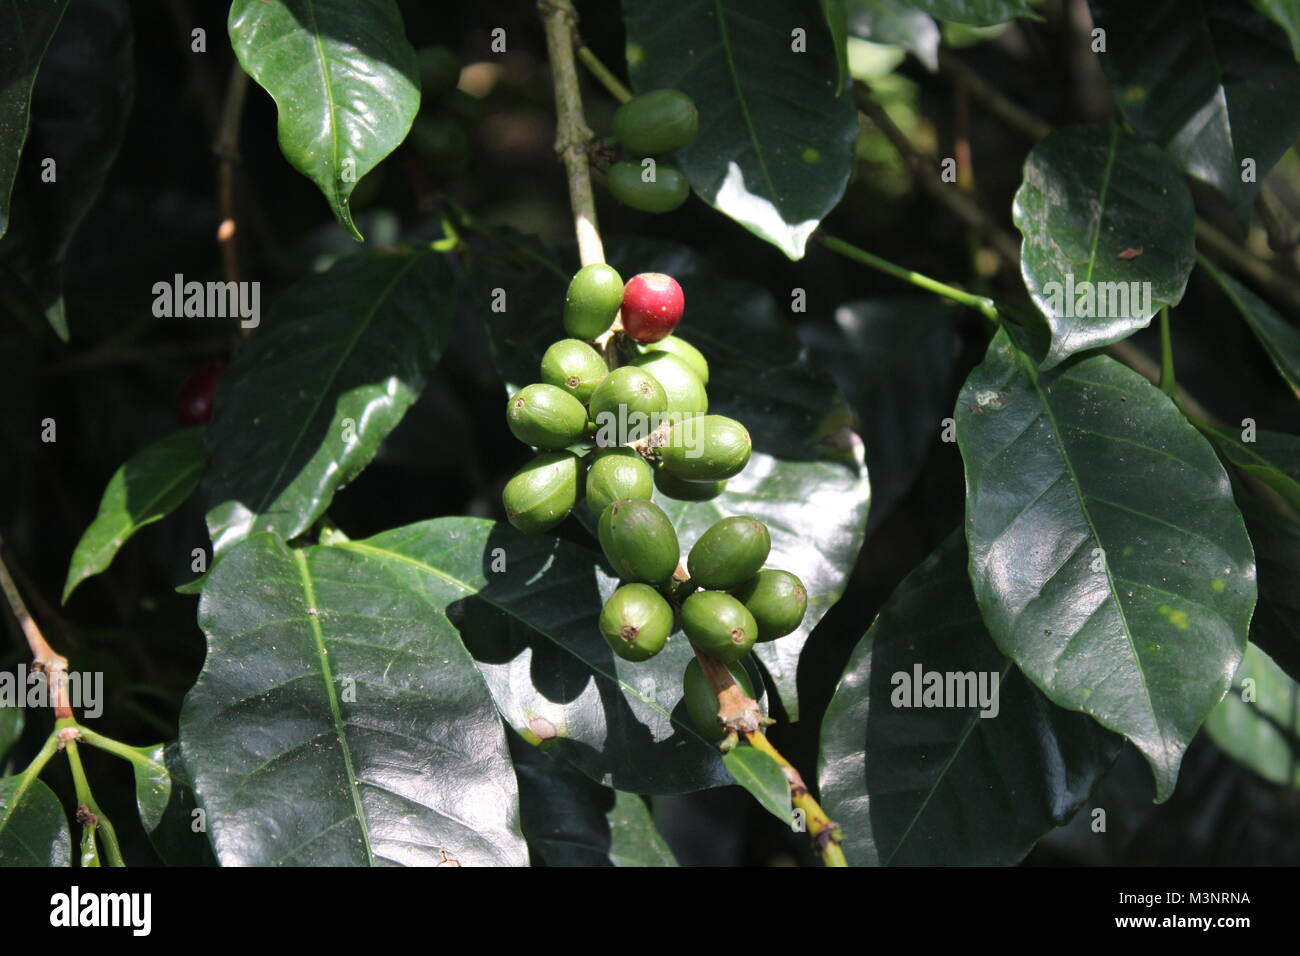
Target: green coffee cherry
x=574, y=366
x=777, y=599
x=617, y=473
x=626, y=392
x=439, y=73
x=688, y=353
x=656, y=122
x=543, y=492
x=546, y=417
x=674, y=487
x=594, y=298
x=702, y=703
x=719, y=625
x=441, y=144
x=639, y=541
x=685, y=391
x=668, y=190
x=464, y=106
x=708, y=448
x=636, y=622
x=729, y=553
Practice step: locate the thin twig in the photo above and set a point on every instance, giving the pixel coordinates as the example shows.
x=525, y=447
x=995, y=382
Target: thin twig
x=53, y=664
x=226, y=149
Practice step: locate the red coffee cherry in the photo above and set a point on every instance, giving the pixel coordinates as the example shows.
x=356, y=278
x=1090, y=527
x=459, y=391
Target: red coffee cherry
x=194, y=405
x=652, y=306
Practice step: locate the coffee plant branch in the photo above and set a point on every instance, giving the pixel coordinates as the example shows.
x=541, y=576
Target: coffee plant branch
x=226, y=149
x=739, y=713
x=53, y=664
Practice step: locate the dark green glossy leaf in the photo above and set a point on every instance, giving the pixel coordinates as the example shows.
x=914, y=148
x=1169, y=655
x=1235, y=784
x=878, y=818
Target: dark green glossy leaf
x=980, y=13
x=1281, y=339
x=806, y=479
x=1213, y=82
x=837, y=22
x=1275, y=628
x=33, y=829
x=338, y=361
x=177, y=833
x=943, y=785
x=1258, y=723
x=24, y=34
x=1286, y=14
x=1108, y=557
x=526, y=607
x=1272, y=457
x=151, y=485
x=775, y=147
x=11, y=728
x=1109, y=235
x=763, y=778
x=79, y=110
x=344, y=79
x=893, y=357
x=570, y=820
x=897, y=22
x=338, y=720
x=153, y=785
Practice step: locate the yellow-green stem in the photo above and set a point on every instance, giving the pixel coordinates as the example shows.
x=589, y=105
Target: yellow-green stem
x=985, y=305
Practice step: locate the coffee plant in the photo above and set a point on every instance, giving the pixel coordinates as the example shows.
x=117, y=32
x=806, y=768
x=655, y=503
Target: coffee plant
x=900, y=460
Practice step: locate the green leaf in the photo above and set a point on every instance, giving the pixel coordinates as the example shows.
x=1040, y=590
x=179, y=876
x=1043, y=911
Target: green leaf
x=899, y=23
x=1258, y=723
x=1108, y=557
x=344, y=79
x=979, y=13
x=1281, y=339
x=775, y=147
x=1272, y=457
x=24, y=35
x=1286, y=14
x=173, y=831
x=339, y=721
x=11, y=728
x=806, y=479
x=151, y=485
x=1109, y=235
x=308, y=400
x=570, y=820
x=763, y=777
x=1213, y=82
x=526, y=607
x=943, y=785
x=153, y=785
x=1275, y=628
x=79, y=110
x=837, y=22
x=33, y=829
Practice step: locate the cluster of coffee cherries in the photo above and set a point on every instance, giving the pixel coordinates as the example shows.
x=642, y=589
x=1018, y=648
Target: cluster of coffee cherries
x=618, y=435
x=650, y=126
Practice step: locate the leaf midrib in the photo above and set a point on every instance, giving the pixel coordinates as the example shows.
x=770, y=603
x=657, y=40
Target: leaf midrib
x=734, y=71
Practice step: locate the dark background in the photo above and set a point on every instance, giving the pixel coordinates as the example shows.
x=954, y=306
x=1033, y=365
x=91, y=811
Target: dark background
x=112, y=390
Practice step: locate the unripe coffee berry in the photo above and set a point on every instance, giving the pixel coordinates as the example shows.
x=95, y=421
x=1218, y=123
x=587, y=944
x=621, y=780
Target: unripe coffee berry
x=574, y=366
x=639, y=541
x=688, y=353
x=652, y=306
x=729, y=553
x=594, y=297
x=684, y=390
x=664, y=193
x=702, y=702
x=194, y=404
x=617, y=473
x=656, y=122
x=719, y=625
x=706, y=448
x=543, y=492
x=673, y=487
x=777, y=599
x=546, y=417
x=624, y=393
x=636, y=622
